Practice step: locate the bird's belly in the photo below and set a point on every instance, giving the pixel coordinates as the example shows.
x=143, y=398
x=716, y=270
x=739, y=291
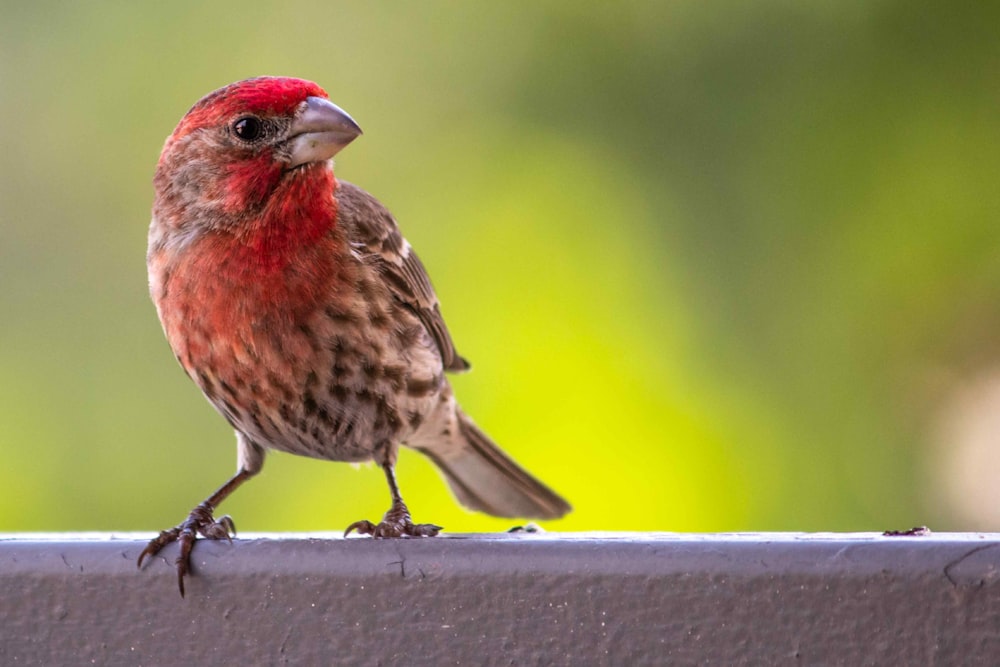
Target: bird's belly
x=324, y=388
x=299, y=365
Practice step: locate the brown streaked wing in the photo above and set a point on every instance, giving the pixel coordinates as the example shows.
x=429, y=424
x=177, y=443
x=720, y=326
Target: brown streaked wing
x=372, y=229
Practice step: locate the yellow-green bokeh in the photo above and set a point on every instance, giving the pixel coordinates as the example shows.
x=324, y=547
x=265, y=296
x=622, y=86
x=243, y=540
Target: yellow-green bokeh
x=718, y=266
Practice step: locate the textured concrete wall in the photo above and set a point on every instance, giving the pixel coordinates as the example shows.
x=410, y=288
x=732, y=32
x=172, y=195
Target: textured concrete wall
x=766, y=599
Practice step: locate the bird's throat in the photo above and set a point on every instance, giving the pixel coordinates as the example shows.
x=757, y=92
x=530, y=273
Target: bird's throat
x=300, y=213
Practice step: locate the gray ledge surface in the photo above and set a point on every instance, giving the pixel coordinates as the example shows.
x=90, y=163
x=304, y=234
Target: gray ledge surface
x=518, y=599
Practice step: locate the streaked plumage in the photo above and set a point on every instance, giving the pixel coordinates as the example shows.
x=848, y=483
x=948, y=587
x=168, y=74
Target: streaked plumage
x=295, y=304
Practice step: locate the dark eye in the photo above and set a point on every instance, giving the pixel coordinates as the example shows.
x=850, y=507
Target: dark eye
x=248, y=128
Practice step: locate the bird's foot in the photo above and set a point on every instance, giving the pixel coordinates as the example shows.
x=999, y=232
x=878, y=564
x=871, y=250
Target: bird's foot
x=199, y=522
x=395, y=523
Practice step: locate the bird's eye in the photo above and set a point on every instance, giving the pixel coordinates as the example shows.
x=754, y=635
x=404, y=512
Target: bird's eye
x=248, y=128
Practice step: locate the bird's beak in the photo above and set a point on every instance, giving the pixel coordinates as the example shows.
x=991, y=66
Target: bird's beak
x=319, y=131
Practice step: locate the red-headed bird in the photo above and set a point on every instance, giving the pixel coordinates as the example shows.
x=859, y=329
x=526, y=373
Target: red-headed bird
x=303, y=315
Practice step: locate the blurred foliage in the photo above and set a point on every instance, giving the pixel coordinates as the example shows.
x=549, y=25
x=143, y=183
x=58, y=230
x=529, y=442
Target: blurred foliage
x=718, y=266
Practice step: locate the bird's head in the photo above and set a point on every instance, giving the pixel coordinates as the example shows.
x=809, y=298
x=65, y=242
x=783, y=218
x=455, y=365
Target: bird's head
x=241, y=145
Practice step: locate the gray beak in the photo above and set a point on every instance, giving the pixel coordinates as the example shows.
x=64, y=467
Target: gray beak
x=319, y=131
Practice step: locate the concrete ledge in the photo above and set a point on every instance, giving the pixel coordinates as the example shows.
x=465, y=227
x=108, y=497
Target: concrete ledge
x=614, y=599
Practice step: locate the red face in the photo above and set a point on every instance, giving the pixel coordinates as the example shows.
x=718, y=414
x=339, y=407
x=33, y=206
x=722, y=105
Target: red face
x=240, y=148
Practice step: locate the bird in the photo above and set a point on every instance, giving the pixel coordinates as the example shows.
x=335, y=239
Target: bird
x=295, y=304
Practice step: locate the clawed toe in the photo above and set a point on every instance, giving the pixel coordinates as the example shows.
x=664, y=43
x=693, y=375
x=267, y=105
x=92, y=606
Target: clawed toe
x=390, y=529
x=199, y=522
x=363, y=527
x=423, y=529
x=153, y=547
x=395, y=523
x=222, y=528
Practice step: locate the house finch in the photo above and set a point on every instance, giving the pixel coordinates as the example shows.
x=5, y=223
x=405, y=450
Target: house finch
x=303, y=315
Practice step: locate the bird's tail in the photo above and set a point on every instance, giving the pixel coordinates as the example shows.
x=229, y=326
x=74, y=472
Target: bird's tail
x=483, y=478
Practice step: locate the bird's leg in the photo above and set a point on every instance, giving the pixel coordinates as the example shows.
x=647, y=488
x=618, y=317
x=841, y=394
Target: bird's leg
x=397, y=521
x=199, y=522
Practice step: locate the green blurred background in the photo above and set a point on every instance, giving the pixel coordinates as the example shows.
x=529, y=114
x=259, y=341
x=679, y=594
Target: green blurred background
x=718, y=266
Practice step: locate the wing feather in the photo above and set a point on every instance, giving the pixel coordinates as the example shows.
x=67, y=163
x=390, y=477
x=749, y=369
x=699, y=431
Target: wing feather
x=373, y=232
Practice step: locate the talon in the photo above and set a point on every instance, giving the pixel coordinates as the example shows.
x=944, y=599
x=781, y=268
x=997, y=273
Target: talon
x=142, y=556
x=427, y=529
x=363, y=527
x=182, y=570
x=395, y=523
x=222, y=529
x=163, y=539
x=199, y=522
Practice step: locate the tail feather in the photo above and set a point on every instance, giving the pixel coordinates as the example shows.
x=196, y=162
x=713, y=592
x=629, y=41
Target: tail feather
x=483, y=478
